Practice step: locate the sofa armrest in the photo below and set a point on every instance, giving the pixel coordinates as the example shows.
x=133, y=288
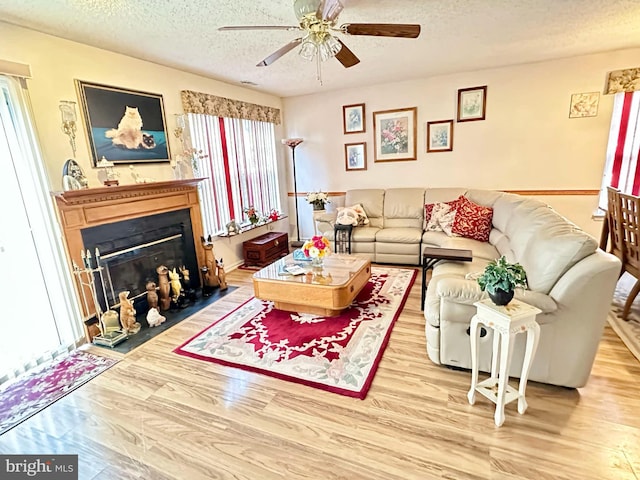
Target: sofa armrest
x=325, y=222
x=467, y=292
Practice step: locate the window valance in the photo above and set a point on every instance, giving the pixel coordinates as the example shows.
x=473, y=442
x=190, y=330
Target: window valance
x=15, y=69
x=197, y=102
x=627, y=80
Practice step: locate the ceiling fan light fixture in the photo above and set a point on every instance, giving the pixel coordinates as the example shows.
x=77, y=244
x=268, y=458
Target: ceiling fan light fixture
x=305, y=7
x=309, y=49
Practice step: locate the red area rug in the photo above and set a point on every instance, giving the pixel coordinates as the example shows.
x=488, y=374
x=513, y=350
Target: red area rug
x=337, y=354
x=41, y=387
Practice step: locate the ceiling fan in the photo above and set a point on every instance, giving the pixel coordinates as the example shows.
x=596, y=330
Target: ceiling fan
x=317, y=22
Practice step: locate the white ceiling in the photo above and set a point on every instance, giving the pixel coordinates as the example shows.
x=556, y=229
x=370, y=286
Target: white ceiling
x=457, y=35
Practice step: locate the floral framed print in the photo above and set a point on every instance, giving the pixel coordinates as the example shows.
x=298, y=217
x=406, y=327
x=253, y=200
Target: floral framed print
x=472, y=104
x=584, y=105
x=355, y=156
x=353, y=119
x=440, y=136
x=124, y=126
x=394, y=134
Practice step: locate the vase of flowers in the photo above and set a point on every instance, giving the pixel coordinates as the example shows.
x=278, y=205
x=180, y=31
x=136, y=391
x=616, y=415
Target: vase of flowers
x=317, y=199
x=252, y=215
x=316, y=249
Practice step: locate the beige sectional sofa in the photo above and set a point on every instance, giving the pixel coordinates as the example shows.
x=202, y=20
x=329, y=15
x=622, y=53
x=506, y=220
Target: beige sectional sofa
x=570, y=279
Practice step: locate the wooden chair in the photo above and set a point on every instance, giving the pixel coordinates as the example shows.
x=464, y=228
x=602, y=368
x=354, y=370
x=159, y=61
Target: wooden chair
x=623, y=220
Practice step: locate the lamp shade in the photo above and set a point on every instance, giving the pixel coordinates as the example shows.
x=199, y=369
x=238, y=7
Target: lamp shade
x=292, y=142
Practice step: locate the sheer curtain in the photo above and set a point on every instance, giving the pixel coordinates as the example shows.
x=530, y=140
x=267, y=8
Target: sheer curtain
x=241, y=168
x=39, y=315
x=622, y=166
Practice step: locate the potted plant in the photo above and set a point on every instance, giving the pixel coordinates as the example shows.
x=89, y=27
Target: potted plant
x=500, y=278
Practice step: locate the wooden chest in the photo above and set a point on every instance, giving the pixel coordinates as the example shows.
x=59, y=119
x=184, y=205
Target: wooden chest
x=265, y=249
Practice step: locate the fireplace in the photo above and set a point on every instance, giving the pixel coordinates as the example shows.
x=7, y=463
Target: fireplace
x=132, y=250
x=136, y=228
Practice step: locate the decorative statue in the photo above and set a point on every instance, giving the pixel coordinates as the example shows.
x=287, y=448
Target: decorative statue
x=128, y=314
x=164, y=288
x=154, y=318
x=222, y=276
x=233, y=228
x=186, y=284
x=209, y=277
x=152, y=295
x=178, y=297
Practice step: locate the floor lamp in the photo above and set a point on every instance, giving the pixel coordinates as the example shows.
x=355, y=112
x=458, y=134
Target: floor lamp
x=293, y=143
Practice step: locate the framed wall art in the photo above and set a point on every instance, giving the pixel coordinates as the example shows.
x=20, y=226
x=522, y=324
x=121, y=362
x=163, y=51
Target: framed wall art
x=440, y=136
x=124, y=126
x=584, y=105
x=353, y=119
x=355, y=156
x=394, y=134
x=472, y=104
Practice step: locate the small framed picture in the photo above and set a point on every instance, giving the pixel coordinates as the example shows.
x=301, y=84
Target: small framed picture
x=440, y=136
x=472, y=104
x=584, y=105
x=353, y=119
x=355, y=156
x=394, y=134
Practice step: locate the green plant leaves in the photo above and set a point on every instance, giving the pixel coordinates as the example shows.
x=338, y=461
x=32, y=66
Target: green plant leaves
x=500, y=274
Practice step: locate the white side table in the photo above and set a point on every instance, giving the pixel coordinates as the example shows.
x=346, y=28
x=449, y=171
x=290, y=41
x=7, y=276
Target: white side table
x=316, y=214
x=506, y=323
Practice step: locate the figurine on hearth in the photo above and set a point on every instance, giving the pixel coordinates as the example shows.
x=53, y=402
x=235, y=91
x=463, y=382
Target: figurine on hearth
x=128, y=314
x=178, y=298
x=222, y=276
x=154, y=318
x=209, y=276
x=164, y=288
x=189, y=291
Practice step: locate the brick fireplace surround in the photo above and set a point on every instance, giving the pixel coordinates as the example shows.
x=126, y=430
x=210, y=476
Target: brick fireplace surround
x=81, y=209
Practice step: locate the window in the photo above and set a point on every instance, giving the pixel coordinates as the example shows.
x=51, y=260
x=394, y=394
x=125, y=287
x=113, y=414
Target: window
x=622, y=167
x=240, y=166
x=39, y=318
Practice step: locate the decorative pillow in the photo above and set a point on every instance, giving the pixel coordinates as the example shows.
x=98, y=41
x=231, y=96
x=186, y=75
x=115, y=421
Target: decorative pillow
x=347, y=216
x=441, y=219
x=358, y=211
x=428, y=208
x=472, y=220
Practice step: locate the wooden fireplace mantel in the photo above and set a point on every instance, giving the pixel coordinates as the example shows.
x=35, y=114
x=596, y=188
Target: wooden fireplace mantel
x=79, y=209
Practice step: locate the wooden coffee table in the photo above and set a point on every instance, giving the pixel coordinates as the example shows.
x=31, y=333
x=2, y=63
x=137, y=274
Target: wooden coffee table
x=325, y=290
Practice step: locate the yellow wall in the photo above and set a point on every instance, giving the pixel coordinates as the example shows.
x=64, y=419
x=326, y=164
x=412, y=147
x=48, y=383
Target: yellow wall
x=527, y=141
x=55, y=63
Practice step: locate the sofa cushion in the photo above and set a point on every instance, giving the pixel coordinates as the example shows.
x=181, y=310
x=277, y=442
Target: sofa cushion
x=354, y=215
x=399, y=235
x=480, y=249
x=441, y=218
x=364, y=234
x=403, y=207
x=372, y=200
x=472, y=220
x=554, y=247
x=428, y=209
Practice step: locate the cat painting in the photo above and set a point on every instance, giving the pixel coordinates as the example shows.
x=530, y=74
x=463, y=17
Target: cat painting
x=129, y=132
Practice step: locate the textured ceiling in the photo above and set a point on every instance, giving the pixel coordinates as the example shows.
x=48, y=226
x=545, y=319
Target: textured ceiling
x=457, y=35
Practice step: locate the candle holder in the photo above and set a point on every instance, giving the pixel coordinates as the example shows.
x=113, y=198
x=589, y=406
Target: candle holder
x=69, y=118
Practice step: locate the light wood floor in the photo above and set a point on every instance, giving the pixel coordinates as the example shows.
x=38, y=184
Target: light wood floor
x=158, y=415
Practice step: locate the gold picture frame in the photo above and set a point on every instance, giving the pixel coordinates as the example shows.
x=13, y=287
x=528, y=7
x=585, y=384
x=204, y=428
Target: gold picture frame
x=355, y=156
x=394, y=134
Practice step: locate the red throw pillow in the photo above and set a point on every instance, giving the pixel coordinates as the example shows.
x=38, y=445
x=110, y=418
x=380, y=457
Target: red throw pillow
x=428, y=208
x=472, y=220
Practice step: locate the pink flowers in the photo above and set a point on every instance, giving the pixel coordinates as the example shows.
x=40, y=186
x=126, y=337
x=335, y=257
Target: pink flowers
x=317, y=247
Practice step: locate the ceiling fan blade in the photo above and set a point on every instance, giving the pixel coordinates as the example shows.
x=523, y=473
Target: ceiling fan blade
x=279, y=53
x=382, y=29
x=346, y=57
x=329, y=9
x=260, y=27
